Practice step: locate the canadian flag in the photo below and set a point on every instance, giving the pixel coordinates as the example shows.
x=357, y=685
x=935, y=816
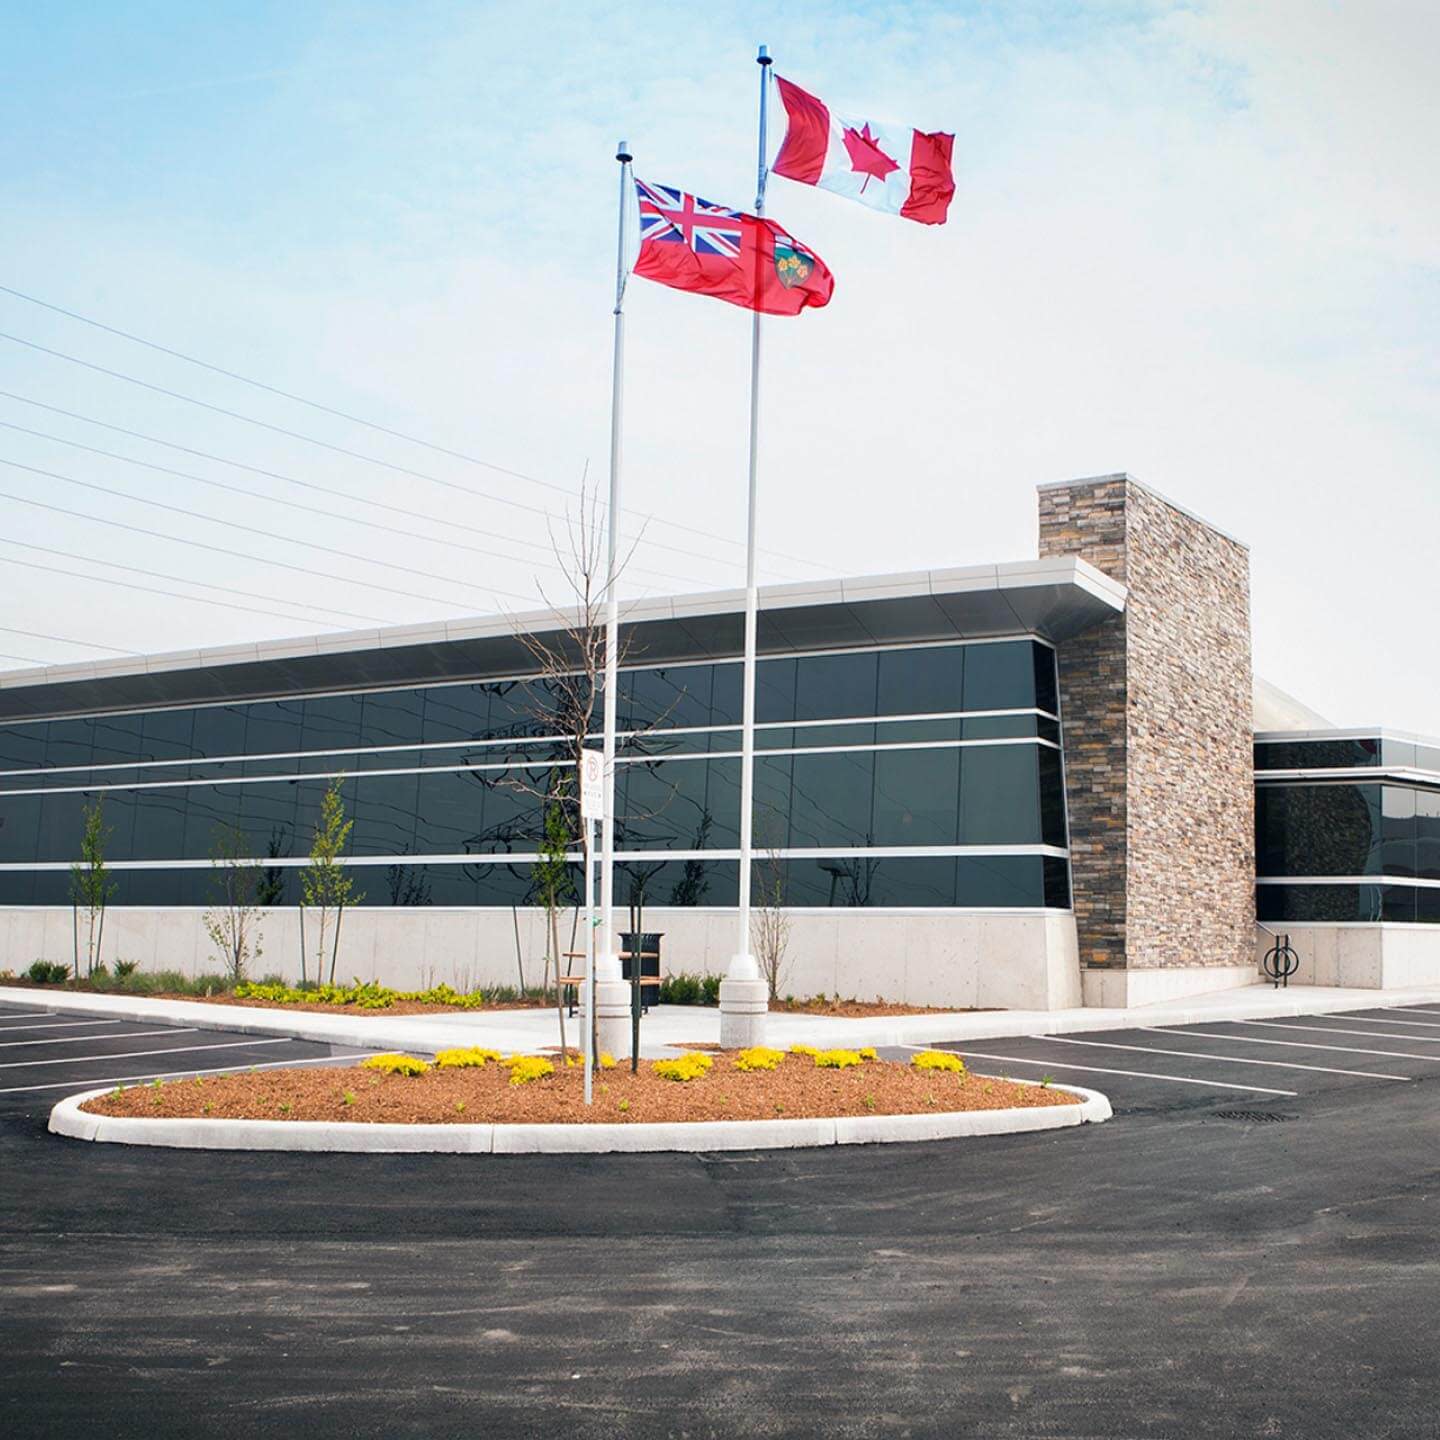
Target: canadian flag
x=905, y=172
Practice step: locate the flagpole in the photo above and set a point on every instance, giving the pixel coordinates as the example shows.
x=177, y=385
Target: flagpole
x=607, y=965
x=744, y=996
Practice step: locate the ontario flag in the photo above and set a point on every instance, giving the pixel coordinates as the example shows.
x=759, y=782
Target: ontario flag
x=905, y=172
x=747, y=260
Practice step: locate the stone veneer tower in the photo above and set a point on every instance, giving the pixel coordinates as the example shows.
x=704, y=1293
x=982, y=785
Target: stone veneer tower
x=1158, y=725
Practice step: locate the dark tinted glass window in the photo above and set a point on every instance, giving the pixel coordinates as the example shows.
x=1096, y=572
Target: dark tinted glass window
x=916, y=794
x=1000, y=795
x=1057, y=884
x=774, y=689
x=1317, y=829
x=117, y=739
x=773, y=775
x=1427, y=834
x=1397, y=819
x=831, y=799
x=456, y=712
x=1316, y=754
x=19, y=828
x=159, y=830
x=829, y=687
x=921, y=681
x=1052, y=797
x=22, y=747
x=332, y=722
x=1000, y=676
x=267, y=816
x=274, y=728
x=671, y=697
x=385, y=815
x=169, y=735
x=394, y=717
x=71, y=742
x=678, y=805
x=220, y=730
x=1318, y=902
x=1047, y=695
x=1000, y=881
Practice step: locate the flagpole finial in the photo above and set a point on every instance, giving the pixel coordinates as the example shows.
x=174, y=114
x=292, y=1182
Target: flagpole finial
x=622, y=152
x=763, y=58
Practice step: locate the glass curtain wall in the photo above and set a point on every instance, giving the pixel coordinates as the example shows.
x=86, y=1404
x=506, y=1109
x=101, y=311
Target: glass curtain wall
x=1338, y=849
x=910, y=777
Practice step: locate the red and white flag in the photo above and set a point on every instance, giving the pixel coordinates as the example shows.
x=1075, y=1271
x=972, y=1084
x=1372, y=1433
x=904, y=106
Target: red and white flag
x=902, y=171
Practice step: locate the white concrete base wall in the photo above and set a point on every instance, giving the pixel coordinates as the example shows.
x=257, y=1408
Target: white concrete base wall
x=1367, y=957
x=1120, y=989
x=1020, y=961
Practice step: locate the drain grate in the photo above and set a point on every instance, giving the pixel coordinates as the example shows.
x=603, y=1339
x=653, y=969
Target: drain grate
x=1253, y=1117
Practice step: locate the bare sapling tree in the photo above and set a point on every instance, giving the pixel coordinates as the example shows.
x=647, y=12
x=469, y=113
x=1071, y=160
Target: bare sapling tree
x=91, y=885
x=233, y=921
x=552, y=885
x=325, y=883
x=770, y=921
x=564, y=690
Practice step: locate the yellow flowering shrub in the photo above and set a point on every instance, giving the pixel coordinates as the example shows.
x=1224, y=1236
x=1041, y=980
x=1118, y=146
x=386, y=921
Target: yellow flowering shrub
x=465, y=1057
x=607, y=1060
x=837, y=1059
x=810, y=1050
x=690, y=1066
x=868, y=1052
x=525, y=1068
x=937, y=1060
x=395, y=1064
x=759, y=1057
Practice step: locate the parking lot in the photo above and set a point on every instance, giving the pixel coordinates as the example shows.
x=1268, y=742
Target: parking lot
x=1184, y=1270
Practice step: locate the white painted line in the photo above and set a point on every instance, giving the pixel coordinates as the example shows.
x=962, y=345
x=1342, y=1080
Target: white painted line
x=131, y=1054
x=1288, y=1044
x=1340, y=1030
x=57, y=1024
x=77, y=1039
x=1098, y=1070
x=1410, y=1010
x=1366, y=1020
x=219, y=1070
x=1230, y=1059
x=9, y=1014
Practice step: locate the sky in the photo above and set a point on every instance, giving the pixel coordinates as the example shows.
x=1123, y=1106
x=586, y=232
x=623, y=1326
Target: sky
x=1196, y=242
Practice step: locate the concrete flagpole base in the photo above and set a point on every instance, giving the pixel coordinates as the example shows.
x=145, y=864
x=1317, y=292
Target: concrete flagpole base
x=612, y=1008
x=744, y=1005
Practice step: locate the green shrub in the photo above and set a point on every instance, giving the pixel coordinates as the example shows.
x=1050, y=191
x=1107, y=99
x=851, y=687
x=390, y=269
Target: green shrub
x=362, y=994
x=683, y=989
x=48, y=972
x=124, y=969
x=710, y=990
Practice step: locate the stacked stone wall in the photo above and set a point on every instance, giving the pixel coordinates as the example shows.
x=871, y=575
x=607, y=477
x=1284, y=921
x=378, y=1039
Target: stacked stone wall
x=1158, y=733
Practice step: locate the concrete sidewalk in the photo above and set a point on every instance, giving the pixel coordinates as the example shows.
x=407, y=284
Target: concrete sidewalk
x=668, y=1026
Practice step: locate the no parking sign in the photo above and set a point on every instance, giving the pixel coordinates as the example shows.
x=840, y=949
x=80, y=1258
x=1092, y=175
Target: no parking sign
x=592, y=785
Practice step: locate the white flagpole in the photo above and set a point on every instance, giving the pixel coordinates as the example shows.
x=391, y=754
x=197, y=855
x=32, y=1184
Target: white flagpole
x=607, y=966
x=743, y=994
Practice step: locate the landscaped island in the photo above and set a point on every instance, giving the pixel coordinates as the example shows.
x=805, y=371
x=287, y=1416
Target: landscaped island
x=481, y=1087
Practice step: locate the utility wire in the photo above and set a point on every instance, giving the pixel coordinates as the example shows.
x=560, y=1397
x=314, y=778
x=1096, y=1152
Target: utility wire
x=322, y=444
x=344, y=495
x=219, y=550
x=270, y=535
x=551, y=564
x=185, y=580
x=356, y=419
x=171, y=594
x=62, y=640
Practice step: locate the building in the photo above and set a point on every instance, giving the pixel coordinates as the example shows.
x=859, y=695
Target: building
x=1024, y=785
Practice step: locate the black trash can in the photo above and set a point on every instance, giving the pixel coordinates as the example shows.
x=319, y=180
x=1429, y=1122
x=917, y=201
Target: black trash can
x=648, y=944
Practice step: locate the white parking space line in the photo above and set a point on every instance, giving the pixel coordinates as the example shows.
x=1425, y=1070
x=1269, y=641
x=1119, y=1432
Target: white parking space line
x=1340, y=1030
x=1098, y=1070
x=78, y=1039
x=79, y=1086
x=131, y=1054
x=26, y=1014
x=1389, y=1020
x=1408, y=1011
x=57, y=1025
x=1228, y=1059
x=1288, y=1044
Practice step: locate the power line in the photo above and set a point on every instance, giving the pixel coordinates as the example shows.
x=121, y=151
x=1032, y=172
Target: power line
x=551, y=564
x=171, y=594
x=218, y=550
x=185, y=580
x=269, y=535
x=62, y=640
x=411, y=513
x=353, y=419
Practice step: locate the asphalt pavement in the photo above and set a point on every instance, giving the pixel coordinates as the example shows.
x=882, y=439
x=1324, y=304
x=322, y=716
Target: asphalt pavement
x=1247, y=1248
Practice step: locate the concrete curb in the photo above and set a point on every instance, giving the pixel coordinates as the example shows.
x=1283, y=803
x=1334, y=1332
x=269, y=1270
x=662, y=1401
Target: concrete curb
x=67, y=1118
x=373, y=1031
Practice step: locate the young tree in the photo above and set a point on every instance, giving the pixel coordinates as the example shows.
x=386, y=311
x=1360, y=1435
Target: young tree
x=552, y=885
x=770, y=922
x=325, y=884
x=91, y=886
x=233, y=921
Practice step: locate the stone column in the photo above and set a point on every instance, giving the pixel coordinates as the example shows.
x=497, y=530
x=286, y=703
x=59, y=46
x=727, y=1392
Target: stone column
x=1159, y=731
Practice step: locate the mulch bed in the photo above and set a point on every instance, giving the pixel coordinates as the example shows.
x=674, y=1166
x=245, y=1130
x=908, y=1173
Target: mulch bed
x=797, y=1089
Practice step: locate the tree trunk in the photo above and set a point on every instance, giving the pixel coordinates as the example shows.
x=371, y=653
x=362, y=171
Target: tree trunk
x=519, y=956
x=302, y=945
x=553, y=926
x=335, y=948
x=99, y=941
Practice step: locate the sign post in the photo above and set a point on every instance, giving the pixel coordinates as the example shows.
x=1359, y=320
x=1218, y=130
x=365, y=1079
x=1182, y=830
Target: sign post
x=592, y=808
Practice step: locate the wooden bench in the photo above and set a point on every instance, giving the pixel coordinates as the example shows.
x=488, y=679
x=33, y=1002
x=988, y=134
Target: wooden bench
x=572, y=983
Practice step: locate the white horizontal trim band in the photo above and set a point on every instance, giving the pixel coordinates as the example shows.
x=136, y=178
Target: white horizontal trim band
x=1347, y=880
